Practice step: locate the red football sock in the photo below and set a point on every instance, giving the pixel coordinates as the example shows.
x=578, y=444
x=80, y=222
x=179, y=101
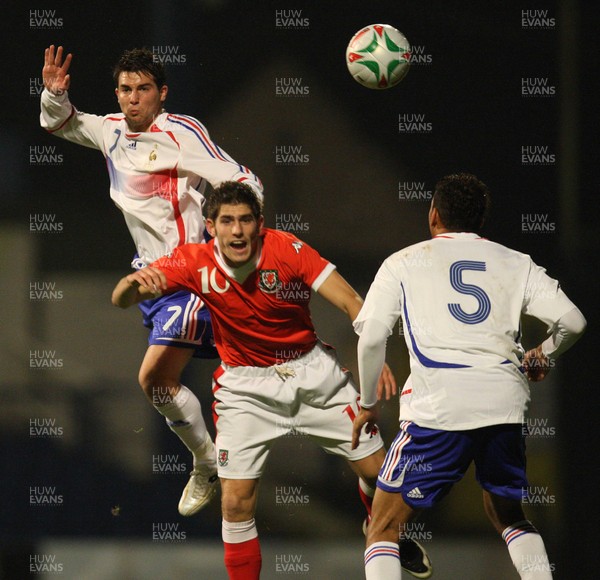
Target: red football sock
x=366, y=493
x=243, y=561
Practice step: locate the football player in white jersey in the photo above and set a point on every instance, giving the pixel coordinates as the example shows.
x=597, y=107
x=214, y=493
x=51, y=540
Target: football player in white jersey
x=460, y=298
x=159, y=164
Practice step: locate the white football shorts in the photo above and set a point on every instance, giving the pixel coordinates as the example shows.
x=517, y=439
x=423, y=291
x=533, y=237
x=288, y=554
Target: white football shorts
x=311, y=396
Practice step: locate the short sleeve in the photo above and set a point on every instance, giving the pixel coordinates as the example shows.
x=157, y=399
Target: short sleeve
x=175, y=267
x=310, y=266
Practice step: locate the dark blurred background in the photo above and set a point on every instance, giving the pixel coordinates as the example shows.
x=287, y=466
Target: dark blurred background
x=506, y=90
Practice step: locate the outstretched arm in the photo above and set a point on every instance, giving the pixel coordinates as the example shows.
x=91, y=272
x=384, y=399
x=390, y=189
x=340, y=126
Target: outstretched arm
x=371, y=361
x=58, y=116
x=55, y=71
x=142, y=285
x=336, y=290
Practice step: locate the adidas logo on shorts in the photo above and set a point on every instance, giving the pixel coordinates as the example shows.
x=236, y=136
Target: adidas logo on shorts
x=415, y=493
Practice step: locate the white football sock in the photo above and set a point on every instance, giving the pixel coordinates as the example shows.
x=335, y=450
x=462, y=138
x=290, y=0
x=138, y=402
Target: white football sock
x=184, y=417
x=382, y=560
x=527, y=551
x=238, y=532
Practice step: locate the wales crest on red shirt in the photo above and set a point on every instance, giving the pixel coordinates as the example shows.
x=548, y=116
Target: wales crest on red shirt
x=268, y=281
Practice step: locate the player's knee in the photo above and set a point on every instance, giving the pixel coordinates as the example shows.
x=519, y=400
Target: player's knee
x=157, y=387
x=237, y=507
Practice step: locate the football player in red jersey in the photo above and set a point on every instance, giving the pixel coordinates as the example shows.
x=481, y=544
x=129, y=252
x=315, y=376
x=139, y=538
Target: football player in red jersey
x=276, y=376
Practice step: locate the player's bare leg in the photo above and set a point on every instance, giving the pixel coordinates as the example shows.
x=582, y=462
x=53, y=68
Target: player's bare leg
x=243, y=559
x=524, y=543
x=160, y=376
x=413, y=557
x=389, y=516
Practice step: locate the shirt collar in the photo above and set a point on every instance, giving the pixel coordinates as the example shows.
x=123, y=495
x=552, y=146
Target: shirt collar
x=459, y=236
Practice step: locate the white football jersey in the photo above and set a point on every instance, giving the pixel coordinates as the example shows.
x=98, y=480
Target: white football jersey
x=157, y=178
x=460, y=298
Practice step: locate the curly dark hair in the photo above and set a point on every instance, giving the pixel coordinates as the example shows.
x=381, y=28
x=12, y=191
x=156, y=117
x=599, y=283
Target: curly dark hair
x=233, y=193
x=140, y=60
x=463, y=202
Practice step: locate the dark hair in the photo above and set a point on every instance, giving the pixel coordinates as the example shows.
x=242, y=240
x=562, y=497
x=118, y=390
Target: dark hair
x=233, y=193
x=140, y=60
x=463, y=202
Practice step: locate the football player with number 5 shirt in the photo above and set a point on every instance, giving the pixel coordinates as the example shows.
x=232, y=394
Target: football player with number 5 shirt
x=275, y=374
x=159, y=164
x=460, y=298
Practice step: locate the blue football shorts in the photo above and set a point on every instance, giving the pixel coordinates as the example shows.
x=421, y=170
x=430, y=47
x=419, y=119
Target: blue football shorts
x=423, y=464
x=180, y=320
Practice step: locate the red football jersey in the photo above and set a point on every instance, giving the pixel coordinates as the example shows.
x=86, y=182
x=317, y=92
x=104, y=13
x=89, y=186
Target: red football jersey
x=263, y=319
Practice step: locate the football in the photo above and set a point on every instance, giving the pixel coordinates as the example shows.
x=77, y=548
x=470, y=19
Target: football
x=378, y=56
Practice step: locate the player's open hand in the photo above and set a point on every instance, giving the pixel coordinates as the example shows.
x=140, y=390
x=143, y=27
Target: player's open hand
x=386, y=385
x=55, y=72
x=366, y=417
x=536, y=365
